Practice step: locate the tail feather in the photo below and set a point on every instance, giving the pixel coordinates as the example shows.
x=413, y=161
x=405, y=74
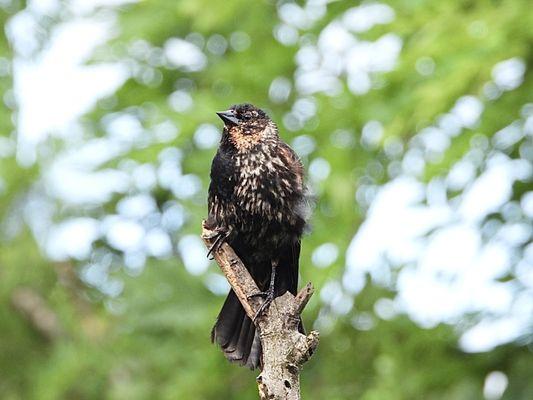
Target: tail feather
x=227, y=321
x=235, y=333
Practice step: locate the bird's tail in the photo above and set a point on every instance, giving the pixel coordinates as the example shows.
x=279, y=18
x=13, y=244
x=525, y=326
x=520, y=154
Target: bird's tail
x=235, y=333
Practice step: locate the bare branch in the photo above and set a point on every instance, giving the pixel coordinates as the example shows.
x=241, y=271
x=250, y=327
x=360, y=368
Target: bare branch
x=236, y=273
x=285, y=349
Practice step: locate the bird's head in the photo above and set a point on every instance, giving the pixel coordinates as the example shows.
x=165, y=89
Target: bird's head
x=246, y=125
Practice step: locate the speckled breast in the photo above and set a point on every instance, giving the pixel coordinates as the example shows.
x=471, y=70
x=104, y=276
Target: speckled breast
x=264, y=196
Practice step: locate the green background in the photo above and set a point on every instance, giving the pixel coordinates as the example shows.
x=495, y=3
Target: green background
x=150, y=339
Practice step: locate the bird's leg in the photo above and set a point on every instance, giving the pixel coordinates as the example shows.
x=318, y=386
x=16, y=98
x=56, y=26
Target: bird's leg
x=270, y=286
x=269, y=294
x=220, y=234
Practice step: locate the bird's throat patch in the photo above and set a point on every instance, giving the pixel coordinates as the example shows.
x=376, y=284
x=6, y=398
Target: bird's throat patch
x=243, y=140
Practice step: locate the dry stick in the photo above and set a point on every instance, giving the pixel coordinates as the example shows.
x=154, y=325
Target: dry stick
x=285, y=349
x=32, y=306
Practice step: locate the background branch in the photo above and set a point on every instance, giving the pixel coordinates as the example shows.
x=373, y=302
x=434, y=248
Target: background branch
x=285, y=349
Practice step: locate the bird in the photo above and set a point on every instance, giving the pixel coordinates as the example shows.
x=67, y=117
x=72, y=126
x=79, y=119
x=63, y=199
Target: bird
x=258, y=204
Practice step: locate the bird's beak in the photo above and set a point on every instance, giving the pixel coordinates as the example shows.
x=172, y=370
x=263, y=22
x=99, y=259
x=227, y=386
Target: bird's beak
x=228, y=117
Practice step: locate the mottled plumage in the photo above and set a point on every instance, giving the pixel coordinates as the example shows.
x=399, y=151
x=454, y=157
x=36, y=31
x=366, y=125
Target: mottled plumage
x=257, y=197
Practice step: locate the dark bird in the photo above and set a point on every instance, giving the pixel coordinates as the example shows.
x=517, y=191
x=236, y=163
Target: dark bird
x=257, y=204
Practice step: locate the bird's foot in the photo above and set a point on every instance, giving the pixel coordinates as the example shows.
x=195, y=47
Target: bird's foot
x=268, y=298
x=258, y=294
x=269, y=294
x=219, y=235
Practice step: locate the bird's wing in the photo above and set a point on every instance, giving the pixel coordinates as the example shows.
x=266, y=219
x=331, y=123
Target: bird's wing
x=293, y=163
x=221, y=186
x=287, y=271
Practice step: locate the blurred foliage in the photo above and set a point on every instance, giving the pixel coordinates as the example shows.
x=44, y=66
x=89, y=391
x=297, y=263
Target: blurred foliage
x=67, y=336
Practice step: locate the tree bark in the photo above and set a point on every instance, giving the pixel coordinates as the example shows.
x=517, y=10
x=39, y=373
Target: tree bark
x=285, y=349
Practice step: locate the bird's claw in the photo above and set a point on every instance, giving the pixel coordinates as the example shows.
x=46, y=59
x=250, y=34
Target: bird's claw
x=219, y=235
x=269, y=294
x=258, y=294
x=212, y=234
x=269, y=297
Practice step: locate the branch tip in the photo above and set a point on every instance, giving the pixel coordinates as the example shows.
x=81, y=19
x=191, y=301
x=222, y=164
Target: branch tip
x=303, y=297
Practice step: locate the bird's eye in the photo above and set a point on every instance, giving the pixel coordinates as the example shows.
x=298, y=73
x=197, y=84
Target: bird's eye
x=246, y=116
